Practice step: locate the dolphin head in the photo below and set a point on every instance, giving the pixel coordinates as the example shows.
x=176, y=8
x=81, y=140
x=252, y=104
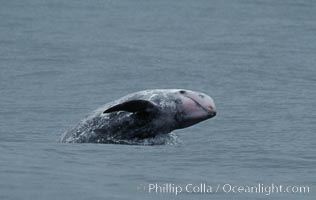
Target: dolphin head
x=153, y=112
x=192, y=108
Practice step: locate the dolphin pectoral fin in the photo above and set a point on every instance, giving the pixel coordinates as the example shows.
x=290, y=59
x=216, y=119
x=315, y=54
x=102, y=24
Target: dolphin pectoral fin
x=133, y=106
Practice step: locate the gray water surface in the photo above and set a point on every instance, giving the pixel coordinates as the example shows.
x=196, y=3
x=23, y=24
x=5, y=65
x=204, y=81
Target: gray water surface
x=60, y=60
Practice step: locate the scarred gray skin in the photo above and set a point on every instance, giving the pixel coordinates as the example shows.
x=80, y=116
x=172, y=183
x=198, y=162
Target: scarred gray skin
x=168, y=110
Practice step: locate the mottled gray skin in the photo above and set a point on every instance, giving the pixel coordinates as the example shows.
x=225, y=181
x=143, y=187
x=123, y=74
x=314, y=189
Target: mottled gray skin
x=167, y=114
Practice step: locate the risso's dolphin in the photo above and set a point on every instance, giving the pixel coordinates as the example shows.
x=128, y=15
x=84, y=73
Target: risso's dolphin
x=141, y=115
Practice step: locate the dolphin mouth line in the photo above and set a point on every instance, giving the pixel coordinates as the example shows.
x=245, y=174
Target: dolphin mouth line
x=198, y=104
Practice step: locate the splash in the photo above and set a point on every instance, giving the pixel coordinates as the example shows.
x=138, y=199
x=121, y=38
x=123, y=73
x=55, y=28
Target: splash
x=161, y=139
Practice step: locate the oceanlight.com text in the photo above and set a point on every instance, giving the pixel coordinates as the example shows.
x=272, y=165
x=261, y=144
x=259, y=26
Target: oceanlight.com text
x=226, y=188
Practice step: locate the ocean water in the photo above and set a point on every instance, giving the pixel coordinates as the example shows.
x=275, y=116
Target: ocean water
x=60, y=60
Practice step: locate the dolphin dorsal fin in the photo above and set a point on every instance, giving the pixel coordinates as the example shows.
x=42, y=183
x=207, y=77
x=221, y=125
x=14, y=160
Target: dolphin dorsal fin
x=133, y=106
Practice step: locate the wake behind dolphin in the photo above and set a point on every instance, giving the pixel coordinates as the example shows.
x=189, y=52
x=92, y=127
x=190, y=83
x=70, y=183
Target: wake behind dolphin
x=143, y=117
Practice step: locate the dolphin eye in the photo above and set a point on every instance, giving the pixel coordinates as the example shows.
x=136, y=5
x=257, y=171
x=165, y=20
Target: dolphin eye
x=182, y=92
